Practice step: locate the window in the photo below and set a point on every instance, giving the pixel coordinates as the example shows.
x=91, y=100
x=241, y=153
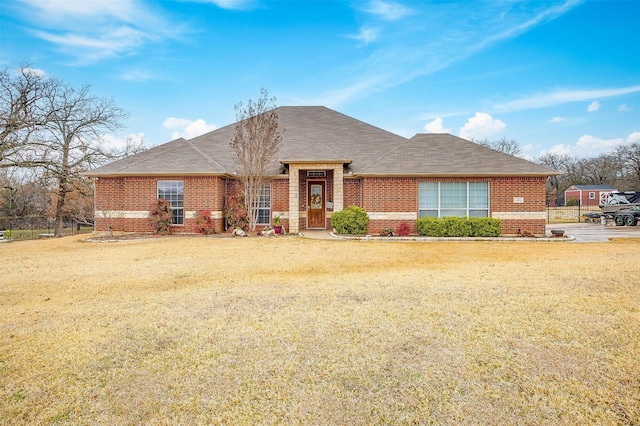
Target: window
x=173, y=192
x=592, y=195
x=264, y=205
x=438, y=199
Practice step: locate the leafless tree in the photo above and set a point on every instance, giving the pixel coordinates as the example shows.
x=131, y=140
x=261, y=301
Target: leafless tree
x=561, y=163
x=504, y=145
x=254, y=147
x=629, y=157
x=58, y=130
x=22, y=94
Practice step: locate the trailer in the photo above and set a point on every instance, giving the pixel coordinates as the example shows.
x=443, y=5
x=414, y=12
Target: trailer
x=628, y=217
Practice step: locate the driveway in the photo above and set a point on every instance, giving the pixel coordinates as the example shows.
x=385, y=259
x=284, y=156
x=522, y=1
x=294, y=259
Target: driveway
x=596, y=232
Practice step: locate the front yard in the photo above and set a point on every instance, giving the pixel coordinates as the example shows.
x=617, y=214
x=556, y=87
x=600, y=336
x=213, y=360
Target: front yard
x=297, y=331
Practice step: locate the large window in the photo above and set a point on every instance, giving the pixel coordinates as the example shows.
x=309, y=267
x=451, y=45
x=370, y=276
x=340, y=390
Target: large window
x=438, y=199
x=264, y=205
x=173, y=192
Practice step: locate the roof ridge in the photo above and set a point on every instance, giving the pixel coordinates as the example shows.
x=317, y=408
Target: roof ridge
x=384, y=154
x=209, y=159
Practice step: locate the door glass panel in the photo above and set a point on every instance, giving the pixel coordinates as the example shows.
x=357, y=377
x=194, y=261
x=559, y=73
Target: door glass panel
x=316, y=197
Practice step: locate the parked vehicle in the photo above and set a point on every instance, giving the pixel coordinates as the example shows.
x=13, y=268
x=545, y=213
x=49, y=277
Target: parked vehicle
x=619, y=201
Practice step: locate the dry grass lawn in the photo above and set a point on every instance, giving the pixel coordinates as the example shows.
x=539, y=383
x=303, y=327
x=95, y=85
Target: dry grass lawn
x=296, y=331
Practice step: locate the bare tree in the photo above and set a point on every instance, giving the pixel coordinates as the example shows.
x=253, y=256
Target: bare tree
x=629, y=157
x=254, y=147
x=504, y=145
x=22, y=95
x=562, y=163
x=72, y=140
x=57, y=130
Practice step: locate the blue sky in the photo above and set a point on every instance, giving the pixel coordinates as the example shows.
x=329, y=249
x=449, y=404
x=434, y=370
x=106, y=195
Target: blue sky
x=557, y=76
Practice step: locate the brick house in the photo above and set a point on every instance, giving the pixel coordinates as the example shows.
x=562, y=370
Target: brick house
x=588, y=195
x=327, y=162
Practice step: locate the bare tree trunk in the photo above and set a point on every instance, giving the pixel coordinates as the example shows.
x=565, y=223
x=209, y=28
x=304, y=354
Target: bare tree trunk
x=59, y=215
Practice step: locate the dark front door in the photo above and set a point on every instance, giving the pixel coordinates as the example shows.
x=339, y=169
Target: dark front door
x=315, y=200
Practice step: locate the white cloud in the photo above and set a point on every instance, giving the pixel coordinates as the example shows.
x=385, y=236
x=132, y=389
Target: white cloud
x=557, y=120
x=481, y=126
x=110, y=142
x=562, y=97
x=436, y=126
x=559, y=150
x=592, y=146
x=187, y=129
x=366, y=35
x=623, y=108
x=94, y=30
x=633, y=138
x=388, y=10
x=34, y=71
x=593, y=106
x=228, y=4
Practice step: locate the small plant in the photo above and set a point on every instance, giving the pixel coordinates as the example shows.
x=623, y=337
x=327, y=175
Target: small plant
x=18, y=395
x=204, y=223
x=572, y=202
x=276, y=220
x=353, y=220
x=160, y=217
x=387, y=232
x=404, y=229
x=7, y=234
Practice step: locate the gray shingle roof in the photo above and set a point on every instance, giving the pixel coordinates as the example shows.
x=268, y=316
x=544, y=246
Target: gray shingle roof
x=593, y=187
x=314, y=133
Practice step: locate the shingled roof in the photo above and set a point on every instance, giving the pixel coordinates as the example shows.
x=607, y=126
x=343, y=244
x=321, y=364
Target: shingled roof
x=319, y=134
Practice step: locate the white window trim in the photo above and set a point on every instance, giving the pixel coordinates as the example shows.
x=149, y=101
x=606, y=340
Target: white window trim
x=467, y=210
x=173, y=208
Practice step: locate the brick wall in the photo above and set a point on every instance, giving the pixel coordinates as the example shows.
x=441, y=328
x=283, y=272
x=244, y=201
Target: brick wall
x=124, y=201
x=518, y=201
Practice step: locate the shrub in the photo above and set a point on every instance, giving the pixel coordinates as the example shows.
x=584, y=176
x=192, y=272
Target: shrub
x=486, y=226
x=403, y=229
x=352, y=220
x=387, y=232
x=459, y=227
x=235, y=212
x=160, y=217
x=572, y=202
x=204, y=223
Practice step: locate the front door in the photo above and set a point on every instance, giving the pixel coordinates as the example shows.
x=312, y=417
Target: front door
x=315, y=216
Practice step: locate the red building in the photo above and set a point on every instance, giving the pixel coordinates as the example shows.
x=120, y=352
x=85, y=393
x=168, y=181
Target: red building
x=587, y=195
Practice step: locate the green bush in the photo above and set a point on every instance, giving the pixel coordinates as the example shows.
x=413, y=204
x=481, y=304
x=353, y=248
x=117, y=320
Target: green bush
x=485, y=226
x=458, y=227
x=353, y=220
x=572, y=202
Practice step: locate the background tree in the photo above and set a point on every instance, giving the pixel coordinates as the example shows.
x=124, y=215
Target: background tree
x=504, y=145
x=629, y=158
x=254, y=147
x=21, y=111
x=562, y=163
x=72, y=140
x=58, y=131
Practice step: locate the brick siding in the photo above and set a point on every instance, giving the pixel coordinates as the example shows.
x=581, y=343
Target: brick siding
x=521, y=197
